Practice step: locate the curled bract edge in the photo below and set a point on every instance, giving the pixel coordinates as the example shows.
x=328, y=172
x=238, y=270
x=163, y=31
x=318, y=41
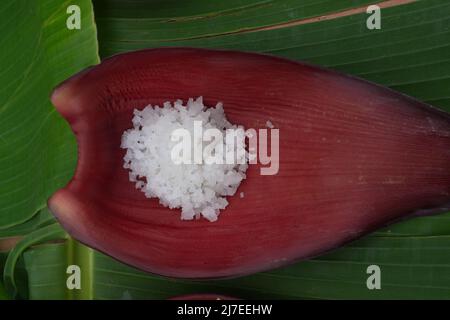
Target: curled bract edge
x=354, y=156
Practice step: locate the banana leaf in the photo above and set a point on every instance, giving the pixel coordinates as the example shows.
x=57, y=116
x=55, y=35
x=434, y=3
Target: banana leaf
x=412, y=267
x=3, y=294
x=37, y=148
x=408, y=54
x=40, y=219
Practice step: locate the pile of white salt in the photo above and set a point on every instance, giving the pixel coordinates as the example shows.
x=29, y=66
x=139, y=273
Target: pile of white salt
x=199, y=189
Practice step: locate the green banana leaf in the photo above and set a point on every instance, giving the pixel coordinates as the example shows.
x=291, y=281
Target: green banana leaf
x=3, y=294
x=40, y=219
x=408, y=54
x=412, y=267
x=157, y=21
x=37, y=149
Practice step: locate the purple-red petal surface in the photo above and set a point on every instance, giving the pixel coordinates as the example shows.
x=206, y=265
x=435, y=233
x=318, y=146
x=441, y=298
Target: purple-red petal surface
x=354, y=156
